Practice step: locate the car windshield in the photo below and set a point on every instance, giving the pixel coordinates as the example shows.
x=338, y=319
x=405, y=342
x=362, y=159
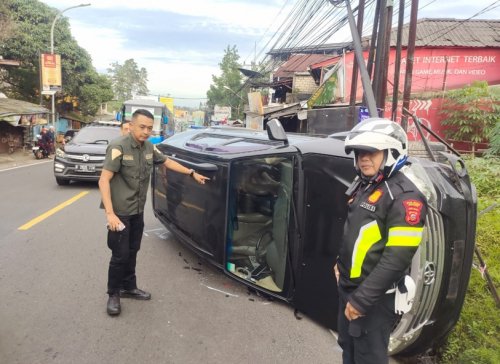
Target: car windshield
x=96, y=135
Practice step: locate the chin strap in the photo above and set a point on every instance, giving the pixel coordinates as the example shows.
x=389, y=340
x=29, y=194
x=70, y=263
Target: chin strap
x=371, y=180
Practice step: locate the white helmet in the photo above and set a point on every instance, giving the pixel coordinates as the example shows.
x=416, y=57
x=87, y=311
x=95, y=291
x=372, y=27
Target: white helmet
x=380, y=134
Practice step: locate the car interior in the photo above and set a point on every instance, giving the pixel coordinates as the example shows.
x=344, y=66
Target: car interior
x=259, y=209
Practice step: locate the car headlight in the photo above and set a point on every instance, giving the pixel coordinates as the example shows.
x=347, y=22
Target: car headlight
x=60, y=153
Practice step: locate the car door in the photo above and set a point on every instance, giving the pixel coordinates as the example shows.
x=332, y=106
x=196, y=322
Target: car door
x=196, y=212
x=322, y=209
x=259, y=228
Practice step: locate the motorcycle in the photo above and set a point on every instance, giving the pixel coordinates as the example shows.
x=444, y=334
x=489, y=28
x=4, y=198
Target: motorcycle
x=40, y=149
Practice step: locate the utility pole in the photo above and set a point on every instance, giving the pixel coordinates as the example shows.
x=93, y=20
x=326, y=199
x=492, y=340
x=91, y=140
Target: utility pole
x=409, y=61
x=365, y=79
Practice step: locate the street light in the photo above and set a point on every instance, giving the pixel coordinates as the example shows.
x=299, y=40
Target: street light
x=52, y=50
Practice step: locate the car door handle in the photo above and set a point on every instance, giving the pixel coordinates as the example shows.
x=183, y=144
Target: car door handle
x=208, y=167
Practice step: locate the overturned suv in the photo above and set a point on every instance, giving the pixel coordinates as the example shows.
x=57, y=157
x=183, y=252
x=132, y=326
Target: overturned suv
x=82, y=158
x=273, y=212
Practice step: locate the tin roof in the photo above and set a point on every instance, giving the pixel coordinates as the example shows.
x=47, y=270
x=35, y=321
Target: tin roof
x=10, y=107
x=453, y=33
x=299, y=63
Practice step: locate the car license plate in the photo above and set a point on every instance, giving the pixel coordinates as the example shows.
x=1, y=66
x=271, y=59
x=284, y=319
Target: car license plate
x=85, y=168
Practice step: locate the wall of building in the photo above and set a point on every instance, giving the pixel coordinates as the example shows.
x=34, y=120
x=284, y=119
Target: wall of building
x=303, y=83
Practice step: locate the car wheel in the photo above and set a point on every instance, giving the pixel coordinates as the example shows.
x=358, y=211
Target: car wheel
x=62, y=182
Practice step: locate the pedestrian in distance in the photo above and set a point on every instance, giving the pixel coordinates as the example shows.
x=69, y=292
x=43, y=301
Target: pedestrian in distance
x=123, y=185
x=52, y=139
x=383, y=229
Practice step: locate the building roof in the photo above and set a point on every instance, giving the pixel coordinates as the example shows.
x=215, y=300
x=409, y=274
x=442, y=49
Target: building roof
x=10, y=107
x=9, y=62
x=453, y=33
x=329, y=48
x=299, y=63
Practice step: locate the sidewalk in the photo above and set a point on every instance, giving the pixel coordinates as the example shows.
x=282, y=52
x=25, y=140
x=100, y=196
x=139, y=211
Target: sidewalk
x=19, y=158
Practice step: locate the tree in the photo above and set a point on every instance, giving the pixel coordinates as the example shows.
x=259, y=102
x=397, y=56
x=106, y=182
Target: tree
x=471, y=113
x=7, y=26
x=94, y=92
x=30, y=37
x=128, y=80
x=226, y=89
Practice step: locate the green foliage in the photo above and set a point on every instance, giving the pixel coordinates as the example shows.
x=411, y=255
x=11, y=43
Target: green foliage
x=494, y=135
x=474, y=339
x=7, y=26
x=128, y=80
x=471, y=112
x=94, y=92
x=226, y=89
x=30, y=36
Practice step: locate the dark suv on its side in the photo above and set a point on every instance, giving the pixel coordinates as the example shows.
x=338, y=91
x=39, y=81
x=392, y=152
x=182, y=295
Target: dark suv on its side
x=82, y=158
x=273, y=212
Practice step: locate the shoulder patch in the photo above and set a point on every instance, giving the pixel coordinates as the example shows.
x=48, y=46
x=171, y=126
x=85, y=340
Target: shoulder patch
x=413, y=210
x=375, y=196
x=115, y=153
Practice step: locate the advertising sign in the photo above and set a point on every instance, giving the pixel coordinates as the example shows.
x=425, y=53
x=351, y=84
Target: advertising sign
x=169, y=102
x=51, y=73
x=221, y=114
x=438, y=69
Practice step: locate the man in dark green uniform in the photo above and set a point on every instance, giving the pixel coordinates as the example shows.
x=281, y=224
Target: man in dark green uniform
x=124, y=184
x=384, y=227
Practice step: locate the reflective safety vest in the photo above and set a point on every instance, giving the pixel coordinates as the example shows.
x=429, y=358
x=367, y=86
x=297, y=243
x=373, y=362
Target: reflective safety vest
x=384, y=227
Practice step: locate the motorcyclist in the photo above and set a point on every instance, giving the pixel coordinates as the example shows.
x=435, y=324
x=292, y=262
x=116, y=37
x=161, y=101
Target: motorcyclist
x=45, y=141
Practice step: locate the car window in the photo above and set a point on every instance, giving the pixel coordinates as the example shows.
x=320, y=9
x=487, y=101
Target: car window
x=96, y=135
x=260, y=200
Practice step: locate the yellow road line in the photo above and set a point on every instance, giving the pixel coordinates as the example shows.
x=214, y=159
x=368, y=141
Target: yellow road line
x=45, y=215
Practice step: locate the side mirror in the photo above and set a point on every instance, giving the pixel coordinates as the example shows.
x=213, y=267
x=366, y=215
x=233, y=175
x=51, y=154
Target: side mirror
x=275, y=131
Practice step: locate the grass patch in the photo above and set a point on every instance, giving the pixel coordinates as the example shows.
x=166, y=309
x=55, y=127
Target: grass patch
x=475, y=338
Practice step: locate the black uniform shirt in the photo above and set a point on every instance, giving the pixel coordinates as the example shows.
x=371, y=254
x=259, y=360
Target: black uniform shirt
x=132, y=164
x=384, y=227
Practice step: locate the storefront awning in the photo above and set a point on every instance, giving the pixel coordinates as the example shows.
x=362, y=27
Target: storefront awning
x=11, y=107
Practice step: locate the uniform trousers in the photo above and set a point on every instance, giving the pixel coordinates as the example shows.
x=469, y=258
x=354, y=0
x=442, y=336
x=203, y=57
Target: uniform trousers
x=365, y=340
x=124, y=246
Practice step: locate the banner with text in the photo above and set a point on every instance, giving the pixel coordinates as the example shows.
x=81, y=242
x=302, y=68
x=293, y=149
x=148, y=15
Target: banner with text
x=51, y=72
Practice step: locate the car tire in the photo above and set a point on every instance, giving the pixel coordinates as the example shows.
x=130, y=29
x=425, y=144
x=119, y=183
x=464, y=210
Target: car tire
x=62, y=181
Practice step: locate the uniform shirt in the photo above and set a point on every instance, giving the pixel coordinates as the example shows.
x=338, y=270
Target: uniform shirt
x=132, y=164
x=384, y=227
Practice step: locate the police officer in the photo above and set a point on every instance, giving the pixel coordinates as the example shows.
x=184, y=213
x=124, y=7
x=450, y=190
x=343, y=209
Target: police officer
x=124, y=184
x=384, y=227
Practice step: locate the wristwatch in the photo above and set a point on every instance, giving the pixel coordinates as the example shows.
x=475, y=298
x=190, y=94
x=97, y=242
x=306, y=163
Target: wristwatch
x=191, y=172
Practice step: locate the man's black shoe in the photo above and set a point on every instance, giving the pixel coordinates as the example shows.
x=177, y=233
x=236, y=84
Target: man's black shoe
x=113, y=307
x=136, y=293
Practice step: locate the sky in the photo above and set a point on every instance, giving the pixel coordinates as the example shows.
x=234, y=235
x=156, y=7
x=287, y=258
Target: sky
x=182, y=42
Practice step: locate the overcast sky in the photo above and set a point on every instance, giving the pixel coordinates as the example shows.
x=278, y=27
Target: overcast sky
x=181, y=42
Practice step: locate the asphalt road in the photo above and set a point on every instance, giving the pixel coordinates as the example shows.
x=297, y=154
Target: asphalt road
x=53, y=292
